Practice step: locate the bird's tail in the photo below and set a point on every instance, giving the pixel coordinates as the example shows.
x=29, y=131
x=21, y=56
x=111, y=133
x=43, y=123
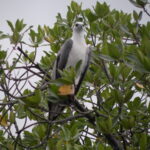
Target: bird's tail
x=55, y=110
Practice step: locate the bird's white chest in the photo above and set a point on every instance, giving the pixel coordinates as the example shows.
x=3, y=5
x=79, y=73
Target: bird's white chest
x=77, y=53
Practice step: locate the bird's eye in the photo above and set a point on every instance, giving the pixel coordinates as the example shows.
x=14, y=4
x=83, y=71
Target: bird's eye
x=77, y=24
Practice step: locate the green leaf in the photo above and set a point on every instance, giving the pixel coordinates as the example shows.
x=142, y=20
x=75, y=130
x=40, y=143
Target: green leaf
x=30, y=139
x=145, y=61
x=10, y=146
x=53, y=94
x=107, y=58
x=135, y=15
x=3, y=55
x=114, y=50
x=95, y=28
x=128, y=95
x=78, y=65
x=100, y=147
x=68, y=74
x=75, y=7
x=36, y=38
x=134, y=2
x=90, y=15
x=32, y=55
x=128, y=123
x=34, y=100
x=2, y=138
x=88, y=141
x=68, y=146
x=101, y=9
x=78, y=147
x=11, y=25
x=125, y=29
x=114, y=71
x=117, y=95
x=19, y=25
x=15, y=38
x=143, y=141
x=140, y=15
x=104, y=125
x=39, y=131
x=32, y=35
x=66, y=133
x=12, y=117
x=70, y=16
x=60, y=144
x=142, y=3
x=3, y=36
x=20, y=111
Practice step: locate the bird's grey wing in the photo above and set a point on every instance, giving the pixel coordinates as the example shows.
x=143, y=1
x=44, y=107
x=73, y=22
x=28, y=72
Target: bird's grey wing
x=62, y=58
x=55, y=109
x=86, y=65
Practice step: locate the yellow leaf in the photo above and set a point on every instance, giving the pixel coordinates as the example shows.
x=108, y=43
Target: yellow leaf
x=49, y=39
x=139, y=85
x=66, y=90
x=3, y=121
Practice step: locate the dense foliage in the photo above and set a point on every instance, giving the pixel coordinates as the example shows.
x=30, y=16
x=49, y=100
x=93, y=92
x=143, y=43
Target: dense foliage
x=111, y=110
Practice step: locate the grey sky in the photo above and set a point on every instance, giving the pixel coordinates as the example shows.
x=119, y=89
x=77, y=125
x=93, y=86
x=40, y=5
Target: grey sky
x=41, y=12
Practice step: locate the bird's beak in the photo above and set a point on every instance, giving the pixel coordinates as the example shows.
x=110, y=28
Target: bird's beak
x=80, y=27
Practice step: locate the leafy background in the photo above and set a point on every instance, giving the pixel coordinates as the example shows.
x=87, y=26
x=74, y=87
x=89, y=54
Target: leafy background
x=115, y=90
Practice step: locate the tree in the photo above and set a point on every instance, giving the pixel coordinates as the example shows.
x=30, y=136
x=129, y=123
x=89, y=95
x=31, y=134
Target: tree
x=111, y=110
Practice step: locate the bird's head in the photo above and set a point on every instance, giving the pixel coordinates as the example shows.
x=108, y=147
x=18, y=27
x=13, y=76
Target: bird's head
x=78, y=27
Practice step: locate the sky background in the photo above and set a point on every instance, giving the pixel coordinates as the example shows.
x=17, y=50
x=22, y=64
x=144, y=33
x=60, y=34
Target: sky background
x=42, y=12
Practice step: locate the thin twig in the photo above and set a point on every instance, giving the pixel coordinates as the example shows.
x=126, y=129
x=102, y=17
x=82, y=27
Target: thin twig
x=146, y=11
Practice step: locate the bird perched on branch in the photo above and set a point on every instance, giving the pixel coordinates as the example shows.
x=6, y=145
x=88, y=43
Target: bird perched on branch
x=72, y=51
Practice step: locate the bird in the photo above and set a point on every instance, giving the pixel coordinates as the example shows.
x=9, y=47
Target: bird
x=72, y=51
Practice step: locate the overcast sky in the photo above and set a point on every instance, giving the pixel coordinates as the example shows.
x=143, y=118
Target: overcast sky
x=42, y=12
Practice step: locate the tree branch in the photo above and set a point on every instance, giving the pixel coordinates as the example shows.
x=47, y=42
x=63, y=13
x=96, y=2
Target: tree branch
x=146, y=11
x=36, y=65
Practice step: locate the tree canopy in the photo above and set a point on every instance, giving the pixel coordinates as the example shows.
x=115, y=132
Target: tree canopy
x=111, y=110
